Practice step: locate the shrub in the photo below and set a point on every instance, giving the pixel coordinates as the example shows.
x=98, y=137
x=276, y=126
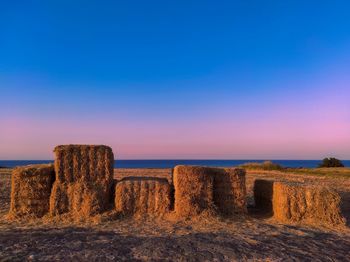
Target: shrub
x=267, y=165
x=331, y=162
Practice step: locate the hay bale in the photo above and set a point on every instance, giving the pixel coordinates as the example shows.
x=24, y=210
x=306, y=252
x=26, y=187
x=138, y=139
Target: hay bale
x=293, y=202
x=84, y=180
x=79, y=199
x=230, y=189
x=193, y=190
x=30, y=190
x=83, y=162
x=143, y=196
x=263, y=193
x=59, y=202
x=199, y=189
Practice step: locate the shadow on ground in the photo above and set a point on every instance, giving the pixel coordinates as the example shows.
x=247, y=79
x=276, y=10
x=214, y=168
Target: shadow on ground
x=345, y=206
x=74, y=243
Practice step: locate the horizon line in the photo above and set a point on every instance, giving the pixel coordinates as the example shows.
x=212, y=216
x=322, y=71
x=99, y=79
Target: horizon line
x=186, y=159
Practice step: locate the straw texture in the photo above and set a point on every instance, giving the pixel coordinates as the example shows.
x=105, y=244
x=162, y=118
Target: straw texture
x=211, y=190
x=230, y=190
x=143, y=196
x=307, y=204
x=84, y=180
x=193, y=190
x=30, y=190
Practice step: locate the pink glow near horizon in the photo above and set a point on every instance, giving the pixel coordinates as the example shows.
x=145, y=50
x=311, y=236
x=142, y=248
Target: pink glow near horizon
x=277, y=136
x=295, y=126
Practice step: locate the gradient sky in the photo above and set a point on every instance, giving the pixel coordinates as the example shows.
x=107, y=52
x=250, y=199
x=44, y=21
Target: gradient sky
x=176, y=79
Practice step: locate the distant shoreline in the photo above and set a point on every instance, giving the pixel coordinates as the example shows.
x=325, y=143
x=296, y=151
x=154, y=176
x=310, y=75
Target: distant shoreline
x=173, y=162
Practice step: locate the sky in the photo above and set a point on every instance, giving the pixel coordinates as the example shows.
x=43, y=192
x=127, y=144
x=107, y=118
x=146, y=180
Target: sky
x=176, y=79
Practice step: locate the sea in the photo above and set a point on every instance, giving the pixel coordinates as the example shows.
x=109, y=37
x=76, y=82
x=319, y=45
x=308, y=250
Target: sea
x=174, y=162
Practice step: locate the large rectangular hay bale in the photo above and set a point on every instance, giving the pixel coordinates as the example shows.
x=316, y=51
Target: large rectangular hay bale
x=143, y=196
x=93, y=163
x=79, y=199
x=193, y=190
x=230, y=190
x=294, y=202
x=263, y=193
x=30, y=190
x=84, y=179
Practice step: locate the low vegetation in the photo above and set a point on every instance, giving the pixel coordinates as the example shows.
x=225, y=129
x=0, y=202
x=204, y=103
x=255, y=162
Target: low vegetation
x=320, y=171
x=331, y=162
x=267, y=165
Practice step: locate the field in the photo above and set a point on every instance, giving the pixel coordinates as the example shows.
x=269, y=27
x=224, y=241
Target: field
x=255, y=237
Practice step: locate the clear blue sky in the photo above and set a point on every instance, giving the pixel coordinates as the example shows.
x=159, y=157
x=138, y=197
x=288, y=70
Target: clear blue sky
x=168, y=69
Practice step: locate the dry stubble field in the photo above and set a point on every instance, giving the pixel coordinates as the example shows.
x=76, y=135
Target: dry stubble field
x=254, y=237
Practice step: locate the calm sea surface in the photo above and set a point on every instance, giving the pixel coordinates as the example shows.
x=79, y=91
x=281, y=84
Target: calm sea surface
x=172, y=163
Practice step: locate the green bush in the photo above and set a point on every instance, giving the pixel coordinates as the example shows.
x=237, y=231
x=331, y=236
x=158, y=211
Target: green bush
x=331, y=162
x=267, y=165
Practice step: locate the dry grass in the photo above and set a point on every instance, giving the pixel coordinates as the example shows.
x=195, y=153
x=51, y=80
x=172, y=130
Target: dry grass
x=143, y=196
x=84, y=179
x=167, y=173
x=323, y=171
x=267, y=166
x=30, y=190
x=294, y=202
x=340, y=172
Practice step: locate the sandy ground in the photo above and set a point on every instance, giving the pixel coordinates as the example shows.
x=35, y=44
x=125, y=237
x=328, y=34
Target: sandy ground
x=254, y=237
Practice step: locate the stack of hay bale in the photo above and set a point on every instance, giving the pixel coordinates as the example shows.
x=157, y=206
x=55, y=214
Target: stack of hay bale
x=84, y=179
x=79, y=183
x=197, y=190
x=204, y=189
x=31, y=189
x=295, y=202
